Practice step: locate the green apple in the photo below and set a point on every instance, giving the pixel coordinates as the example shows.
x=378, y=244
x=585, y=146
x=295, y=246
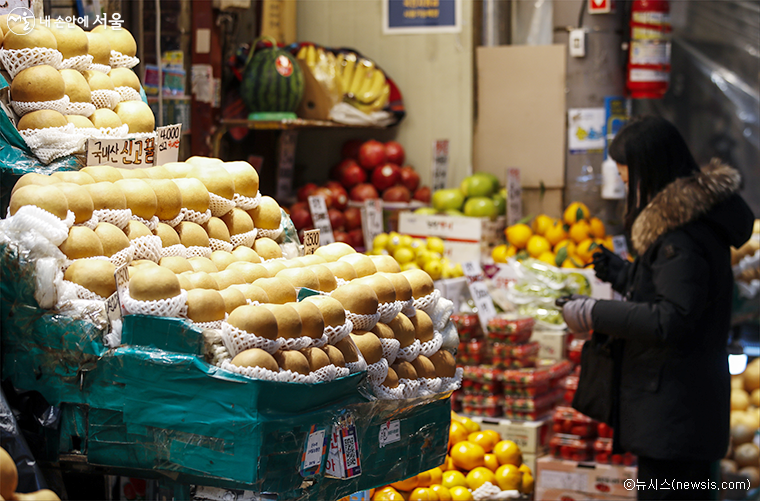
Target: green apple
x=480, y=207
x=448, y=199
x=453, y=212
x=479, y=185
x=426, y=211
x=500, y=202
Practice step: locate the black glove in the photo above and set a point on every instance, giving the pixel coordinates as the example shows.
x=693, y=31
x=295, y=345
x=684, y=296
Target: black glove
x=607, y=265
x=577, y=313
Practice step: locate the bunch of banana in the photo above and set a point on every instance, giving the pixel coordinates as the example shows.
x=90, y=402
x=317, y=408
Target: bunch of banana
x=366, y=87
x=324, y=66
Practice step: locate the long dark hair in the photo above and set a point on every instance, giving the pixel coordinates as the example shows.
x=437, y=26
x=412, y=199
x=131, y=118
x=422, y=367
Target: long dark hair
x=656, y=154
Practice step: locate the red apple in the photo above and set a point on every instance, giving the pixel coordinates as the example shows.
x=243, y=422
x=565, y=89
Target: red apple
x=423, y=194
x=337, y=171
x=353, y=218
x=352, y=175
x=371, y=154
x=326, y=193
x=301, y=218
x=409, y=177
x=385, y=176
x=356, y=238
x=340, y=195
x=350, y=148
x=337, y=219
x=341, y=236
x=305, y=191
x=362, y=192
x=394, y=152
x=397, y=194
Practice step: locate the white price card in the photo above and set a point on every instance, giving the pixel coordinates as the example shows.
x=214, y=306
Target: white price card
x=372, y=221
x=286, y=159
x=113, y=308
x=167, y=143
x=121, y=275
x=321, y=218
x=390, y=433
x=479, y=292
x=440, y=163
x=514, y=196
x=129, y=153
x=310, y=241
x=313, y=454
x=335, y=466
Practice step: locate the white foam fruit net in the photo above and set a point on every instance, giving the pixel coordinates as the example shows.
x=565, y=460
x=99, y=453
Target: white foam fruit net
x=409, y=353
x=273, y=234
x=358, y=366
x=105, y=98
x=103, y=68
x=427, y=303
x=363, y=322
x=171, y=307
x=245, y=239
x=295, y=377
x=237, y=340
x=246, y=203
x=296, y=343
x=198, y=251
x=378, y=371
x=173, y=222
x=319, y=342
x=429, y=386
x=32, y=218
x=488, y=491
x=213, y=325
x=53, y=142
x=177, y=250
x=17, y=60
x=385, y=393
x=442, y=312
x=411, y=387
x=147, y=247
x=219, y=206
x=110, y=132
x=23, y=107
x=408, y=308
x=335, y=334
x=91, y=223
x=83, y=109
x=119, y=60
x=251, y=372
x=195, y=216
x=325, y=374
x=390, y=349
x=388, y=311
x=429, y=347
x=124, y=256
x=82, y=292
x=452, y=383
x=151, y=223
x=128, y=94
x=79, y=63
x=117, y=217
x=216, y=244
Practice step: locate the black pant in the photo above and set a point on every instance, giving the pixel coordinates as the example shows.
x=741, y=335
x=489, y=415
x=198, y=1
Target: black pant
x=692, y=480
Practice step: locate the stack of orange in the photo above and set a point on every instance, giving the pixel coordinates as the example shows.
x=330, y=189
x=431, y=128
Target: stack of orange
x=569, y=242
x=475, y=457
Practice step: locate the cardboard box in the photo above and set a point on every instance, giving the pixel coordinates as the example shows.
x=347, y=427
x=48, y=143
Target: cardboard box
x=556, y=478
x=532, y=461
x=531, y=436
x=522, y=113
x=553, y=343
x=566, y=495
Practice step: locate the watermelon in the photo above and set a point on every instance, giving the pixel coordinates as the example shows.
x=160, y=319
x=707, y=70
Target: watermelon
x=272, y=81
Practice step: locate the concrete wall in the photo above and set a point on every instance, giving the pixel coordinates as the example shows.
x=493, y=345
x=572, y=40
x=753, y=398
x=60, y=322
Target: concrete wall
x=433, y=72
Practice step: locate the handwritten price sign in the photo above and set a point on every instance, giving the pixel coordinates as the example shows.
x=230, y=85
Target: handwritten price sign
x=167, y=143
x=130, y=153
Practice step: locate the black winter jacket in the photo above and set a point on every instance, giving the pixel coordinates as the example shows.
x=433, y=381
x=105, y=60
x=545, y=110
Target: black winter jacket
x=672, y=394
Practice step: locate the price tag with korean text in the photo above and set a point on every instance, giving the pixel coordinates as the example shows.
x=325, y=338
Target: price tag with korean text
x=315, y=451
x=321, y=219
x=113, y=308
x=167, y=143
x=390, y=433
x=479, y=292
x=310, y=241
x=344, y=457
x=440, y=163
x=121, y=275
x=372, y=221
x=129, y=153
x=514, y=197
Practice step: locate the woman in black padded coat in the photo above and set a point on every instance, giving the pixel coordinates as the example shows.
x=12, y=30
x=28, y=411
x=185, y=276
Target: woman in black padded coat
x=668, y=393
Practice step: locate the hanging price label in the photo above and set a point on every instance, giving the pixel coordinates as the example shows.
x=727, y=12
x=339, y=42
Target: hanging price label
x=129, y=153
x=315, y=450
x=167, y=143
x=372, y=221
x=310, y=241
x=514, y=197
x=440, y=163
x=343, y=460
x=321, y=218
x=390, y=433
x=479, y=292
x=113, y=308
x=121, y=275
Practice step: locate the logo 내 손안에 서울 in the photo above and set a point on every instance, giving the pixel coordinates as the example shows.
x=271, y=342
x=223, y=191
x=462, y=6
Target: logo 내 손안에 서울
x=21, y=21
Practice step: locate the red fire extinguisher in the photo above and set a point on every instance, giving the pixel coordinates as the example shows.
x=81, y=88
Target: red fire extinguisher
x=648, y=71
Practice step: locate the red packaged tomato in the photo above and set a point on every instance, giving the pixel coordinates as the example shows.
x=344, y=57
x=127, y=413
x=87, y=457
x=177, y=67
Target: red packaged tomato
x=571, y=447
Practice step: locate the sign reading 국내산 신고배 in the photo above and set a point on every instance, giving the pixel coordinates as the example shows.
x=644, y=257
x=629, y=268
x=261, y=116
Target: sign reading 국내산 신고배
x=402, y=17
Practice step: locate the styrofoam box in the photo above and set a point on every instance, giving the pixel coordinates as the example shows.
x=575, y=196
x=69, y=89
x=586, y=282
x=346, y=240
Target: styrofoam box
x=531, y=436
x=604, y=481
x=552, y=343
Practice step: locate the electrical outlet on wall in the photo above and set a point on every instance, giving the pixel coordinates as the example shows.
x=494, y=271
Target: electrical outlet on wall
x=577, y=43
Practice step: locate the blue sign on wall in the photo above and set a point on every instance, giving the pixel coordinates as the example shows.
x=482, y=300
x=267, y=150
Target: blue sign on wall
x=421, y=16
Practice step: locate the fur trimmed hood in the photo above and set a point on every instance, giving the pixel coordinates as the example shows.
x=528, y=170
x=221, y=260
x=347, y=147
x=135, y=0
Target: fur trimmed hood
x=682, y=201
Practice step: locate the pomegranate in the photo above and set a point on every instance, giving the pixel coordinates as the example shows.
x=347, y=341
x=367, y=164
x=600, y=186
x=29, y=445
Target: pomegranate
x=352, y=175
x=337, y=171
x=350, y=148
x=371, y=154
x=337, y=219
x=301, y=218
x=362, y=192
x=356, y=238
x=341, y=236
x=397, y=194
x=340, y=195
x=394, y=152
x=409, y=178
x=305, y=191
x=423, y=194
x=326, y=193
x=385, y=176
x=353, y=218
